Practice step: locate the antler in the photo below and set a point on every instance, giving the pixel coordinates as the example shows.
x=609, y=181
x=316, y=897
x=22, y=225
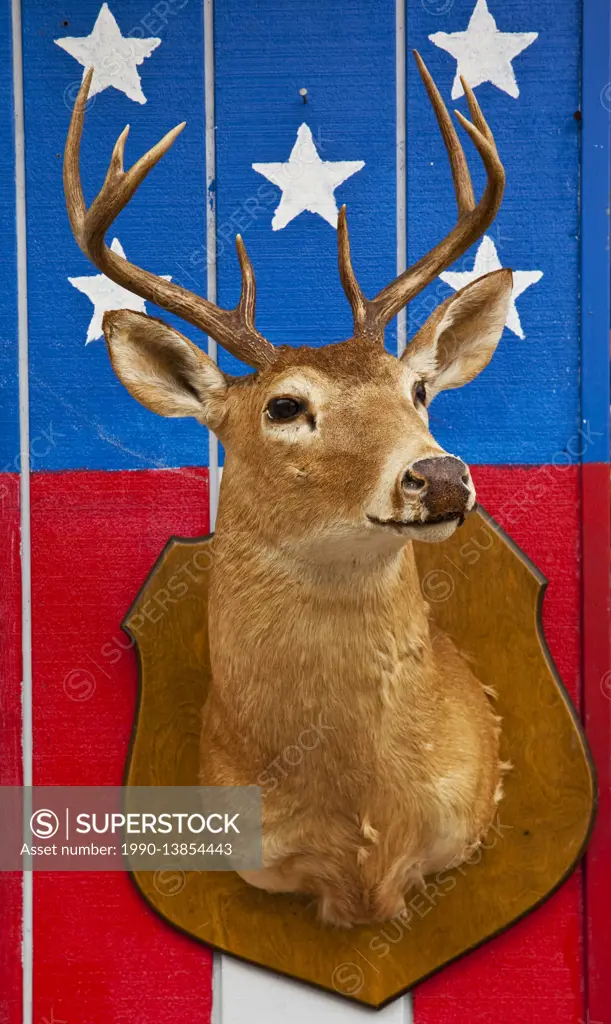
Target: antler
x=233, y=328
x=372, y=315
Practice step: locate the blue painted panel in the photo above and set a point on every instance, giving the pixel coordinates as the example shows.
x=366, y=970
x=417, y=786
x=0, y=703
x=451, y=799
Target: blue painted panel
x=344, y=55
x=525, y=407
x=595, y=229
x=73, y=388
x=9, y=402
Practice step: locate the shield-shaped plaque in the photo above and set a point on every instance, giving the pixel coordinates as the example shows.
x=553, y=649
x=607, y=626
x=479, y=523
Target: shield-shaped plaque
x=487, y=595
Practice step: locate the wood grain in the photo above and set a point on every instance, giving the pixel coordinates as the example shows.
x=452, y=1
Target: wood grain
x=487, y=595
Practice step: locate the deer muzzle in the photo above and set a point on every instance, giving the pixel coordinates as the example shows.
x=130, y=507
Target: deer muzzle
x=443, y=485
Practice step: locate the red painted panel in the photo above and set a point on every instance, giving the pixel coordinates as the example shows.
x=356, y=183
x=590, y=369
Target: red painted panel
x=534, y=972
x=10, y=737
x=100, y=954
x=596, y=541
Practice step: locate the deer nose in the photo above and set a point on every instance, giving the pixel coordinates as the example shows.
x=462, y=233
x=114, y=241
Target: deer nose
x=444, y=484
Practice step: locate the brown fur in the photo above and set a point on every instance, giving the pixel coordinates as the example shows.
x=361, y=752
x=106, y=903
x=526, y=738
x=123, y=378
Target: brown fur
x=318, y=625
x=317, y=622
x=406, y=768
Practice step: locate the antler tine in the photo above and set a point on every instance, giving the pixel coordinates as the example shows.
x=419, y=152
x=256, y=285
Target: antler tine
x=476, y=111
x=472, y=221
x=463, y=186
x=350, y=284
x=248, y=297
x=73, y=190
x=119, y=186
x=232, y=328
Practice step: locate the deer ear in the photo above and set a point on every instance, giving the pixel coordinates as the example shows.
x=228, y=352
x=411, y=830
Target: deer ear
x=162, y=369
x=459, y=339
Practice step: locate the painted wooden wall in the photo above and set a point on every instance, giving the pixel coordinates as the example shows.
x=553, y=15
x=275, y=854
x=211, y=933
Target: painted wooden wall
x=108, y=482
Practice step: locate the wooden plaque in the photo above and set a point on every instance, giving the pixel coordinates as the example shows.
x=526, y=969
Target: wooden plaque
x=487, y=595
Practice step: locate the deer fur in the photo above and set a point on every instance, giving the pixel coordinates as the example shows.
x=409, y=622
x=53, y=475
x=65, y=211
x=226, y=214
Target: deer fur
x=317, y=618
x=318, y=625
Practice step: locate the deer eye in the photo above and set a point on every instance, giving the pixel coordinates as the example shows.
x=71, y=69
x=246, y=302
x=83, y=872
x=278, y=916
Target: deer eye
x=284, y=408
x=420, y=393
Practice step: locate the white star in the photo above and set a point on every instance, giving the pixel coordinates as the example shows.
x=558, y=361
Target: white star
x=307, y=182
x=105, y=295
x=487, y=260
x=484, y=54
x=113, y=56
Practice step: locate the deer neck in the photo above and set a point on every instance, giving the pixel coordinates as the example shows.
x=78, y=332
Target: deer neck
x=287, y=621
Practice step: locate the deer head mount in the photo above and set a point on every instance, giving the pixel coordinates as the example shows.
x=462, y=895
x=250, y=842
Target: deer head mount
x=299, y=396
x=315, y=604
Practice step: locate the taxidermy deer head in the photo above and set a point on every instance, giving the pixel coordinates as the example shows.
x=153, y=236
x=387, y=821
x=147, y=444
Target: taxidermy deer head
x=316, y=617
x=338, y=434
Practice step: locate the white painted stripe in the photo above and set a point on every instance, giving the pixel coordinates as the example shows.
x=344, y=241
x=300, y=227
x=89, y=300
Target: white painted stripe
x=220, y=965
x=401, y=137
x=211, y=282
x=24, y=490
x=253, y=996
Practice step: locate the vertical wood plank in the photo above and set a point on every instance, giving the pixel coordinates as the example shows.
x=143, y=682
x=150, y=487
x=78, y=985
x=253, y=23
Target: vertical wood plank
x=595, y=495
x=11, y=905
x=524, y=409
x=13, y=448
x=535, y=971
x=98, y=950
x=100, y=953
x=98, y=424
x=344, y=55
x=9, y=393
x=531, y=381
